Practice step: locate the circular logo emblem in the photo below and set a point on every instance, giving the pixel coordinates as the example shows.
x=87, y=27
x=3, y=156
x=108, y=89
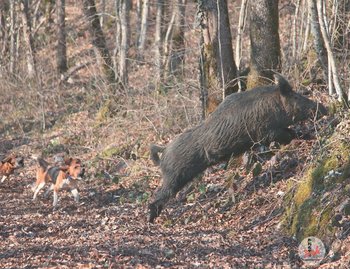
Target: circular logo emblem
x=311, y=250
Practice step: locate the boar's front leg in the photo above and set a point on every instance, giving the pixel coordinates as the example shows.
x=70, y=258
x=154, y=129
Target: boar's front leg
x=162, y=196
x=283, y=135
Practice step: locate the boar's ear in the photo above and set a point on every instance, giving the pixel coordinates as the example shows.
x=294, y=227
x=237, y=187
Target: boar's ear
x=283, y=85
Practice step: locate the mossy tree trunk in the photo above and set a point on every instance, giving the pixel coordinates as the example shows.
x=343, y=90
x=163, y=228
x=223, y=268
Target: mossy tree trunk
x=219, y=65
x=319, y=204
x=265, y=51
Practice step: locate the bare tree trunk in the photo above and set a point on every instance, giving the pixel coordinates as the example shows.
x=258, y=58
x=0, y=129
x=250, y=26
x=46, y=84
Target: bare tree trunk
x=220, y=68
x=307, y=30
x=125, y=40
x=61, y=50
x=13, y=36
x=138, y=20
x=118, y=38
x=317, y=37
x=265, y=50
x=27, y=33
x=294, y=31
x=142, y=39
x=203, y=80
x=331, y=59
x=98, y=38
x=241, y=25
x=3, y=32
x=103, y=11
x=159, y=41
x=177, y=50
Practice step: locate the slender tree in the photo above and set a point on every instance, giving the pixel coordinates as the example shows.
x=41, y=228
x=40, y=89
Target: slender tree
x=125, y=40
x=13, y=36
x=3, y=31
x=219, y=64
x=319, y=45
x=61, y=50
x=176, y=45
x=143, y=29
x=98, y=38
x=159, y=36
x=27, y=34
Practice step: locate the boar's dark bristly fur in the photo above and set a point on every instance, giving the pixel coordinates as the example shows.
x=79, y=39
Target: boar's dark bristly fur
x=260, y=115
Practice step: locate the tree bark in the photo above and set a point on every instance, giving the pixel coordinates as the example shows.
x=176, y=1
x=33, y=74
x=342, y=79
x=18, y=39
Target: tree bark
x=220, y=67
x=331, y=59
x=98, y=39
x=142, y=38
x=159, y=41
x=240, y=30
x=61, y=50
x=265, y=50
x=319, y=45
x=125, y=40
x=177, y=46
x=3, y=32
x=13, y=37
x=27, y=33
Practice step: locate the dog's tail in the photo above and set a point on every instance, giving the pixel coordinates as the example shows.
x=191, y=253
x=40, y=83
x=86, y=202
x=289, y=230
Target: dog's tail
x=42, y=163
x=155, y=149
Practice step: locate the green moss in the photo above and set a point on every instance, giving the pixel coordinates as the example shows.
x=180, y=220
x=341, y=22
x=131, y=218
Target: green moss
x=331, y=163
x=111, y=151
x=302, y=219
x=309, y=212
x=346, y=210
x=303, y=192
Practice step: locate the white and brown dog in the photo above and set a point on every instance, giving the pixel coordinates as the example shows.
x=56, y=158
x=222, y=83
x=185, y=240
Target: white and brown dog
x=58, y=176
x=9, y=164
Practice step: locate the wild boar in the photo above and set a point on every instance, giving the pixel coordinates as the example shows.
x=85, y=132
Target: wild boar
x=258, y=116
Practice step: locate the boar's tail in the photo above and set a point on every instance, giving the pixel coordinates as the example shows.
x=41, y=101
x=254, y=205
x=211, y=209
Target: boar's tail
x=282, y=83
x=155, y=149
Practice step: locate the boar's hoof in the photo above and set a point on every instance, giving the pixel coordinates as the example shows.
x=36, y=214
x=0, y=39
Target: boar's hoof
x=154, y=212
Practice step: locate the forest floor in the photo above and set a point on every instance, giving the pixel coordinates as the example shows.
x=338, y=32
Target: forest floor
x=201, y=228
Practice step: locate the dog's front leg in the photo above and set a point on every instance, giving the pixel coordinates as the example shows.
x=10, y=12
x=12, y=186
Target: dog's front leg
x=75, y=194
x=3, y=179
x=55, y=198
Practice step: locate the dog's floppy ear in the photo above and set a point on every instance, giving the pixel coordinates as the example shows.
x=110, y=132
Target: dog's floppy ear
x=68, y=161
x=64, y=168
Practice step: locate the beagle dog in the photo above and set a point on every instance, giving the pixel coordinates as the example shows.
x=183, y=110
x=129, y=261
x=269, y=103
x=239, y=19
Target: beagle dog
x=58, y=176
x=9, y=164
